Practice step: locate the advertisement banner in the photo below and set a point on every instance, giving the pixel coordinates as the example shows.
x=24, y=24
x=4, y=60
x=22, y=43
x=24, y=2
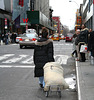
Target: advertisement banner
x=2, y=6
x=17, y=22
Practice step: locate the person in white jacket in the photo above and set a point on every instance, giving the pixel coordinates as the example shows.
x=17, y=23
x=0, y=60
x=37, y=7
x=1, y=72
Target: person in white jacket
x=74, y=46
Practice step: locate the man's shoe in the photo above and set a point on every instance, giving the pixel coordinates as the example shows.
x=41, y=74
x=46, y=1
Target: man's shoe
x=41, y=85
x=82, y=60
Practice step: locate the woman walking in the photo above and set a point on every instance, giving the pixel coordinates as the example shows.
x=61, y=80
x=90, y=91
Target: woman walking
x=43, y=53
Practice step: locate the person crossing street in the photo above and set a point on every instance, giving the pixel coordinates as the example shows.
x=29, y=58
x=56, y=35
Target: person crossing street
x=43, y=53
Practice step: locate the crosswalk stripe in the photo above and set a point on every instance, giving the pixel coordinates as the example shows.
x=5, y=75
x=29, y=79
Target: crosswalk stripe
x=28, y=61
x=21, y=66
x=5, y=56
x=13, y=60
x=62, y=59
x=63, y=44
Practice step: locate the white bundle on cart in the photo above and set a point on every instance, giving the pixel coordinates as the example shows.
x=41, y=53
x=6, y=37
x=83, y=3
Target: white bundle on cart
x=53, y=76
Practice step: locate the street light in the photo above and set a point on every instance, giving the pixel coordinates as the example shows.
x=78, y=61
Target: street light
x=75, y=3
x=77, y=12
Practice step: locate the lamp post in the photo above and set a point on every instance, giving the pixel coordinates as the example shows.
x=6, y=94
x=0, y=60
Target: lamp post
x=77, y=13
x=75, y=3
x=77, y=6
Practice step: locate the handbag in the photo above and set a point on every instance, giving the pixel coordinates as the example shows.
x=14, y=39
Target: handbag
x=83, y=49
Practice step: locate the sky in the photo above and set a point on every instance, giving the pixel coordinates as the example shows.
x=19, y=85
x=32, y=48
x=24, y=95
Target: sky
x=66, y=10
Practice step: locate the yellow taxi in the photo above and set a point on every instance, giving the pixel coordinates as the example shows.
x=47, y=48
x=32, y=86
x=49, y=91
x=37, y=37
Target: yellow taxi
x=55, y=37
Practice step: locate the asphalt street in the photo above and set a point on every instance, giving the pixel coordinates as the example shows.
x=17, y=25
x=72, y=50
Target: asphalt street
x=17, y=80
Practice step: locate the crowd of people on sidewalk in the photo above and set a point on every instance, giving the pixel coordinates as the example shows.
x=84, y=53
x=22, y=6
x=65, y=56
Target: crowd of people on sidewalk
x=8, y=38
x=83, y=38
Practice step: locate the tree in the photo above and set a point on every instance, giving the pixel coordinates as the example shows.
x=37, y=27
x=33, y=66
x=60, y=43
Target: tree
x=72, y=31
x=65, y=30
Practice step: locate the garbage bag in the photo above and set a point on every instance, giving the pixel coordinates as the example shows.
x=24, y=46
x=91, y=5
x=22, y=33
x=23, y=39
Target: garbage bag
x=53, y=76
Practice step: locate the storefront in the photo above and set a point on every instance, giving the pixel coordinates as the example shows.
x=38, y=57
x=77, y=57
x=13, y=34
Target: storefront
x=5, y=13
x=38, y=20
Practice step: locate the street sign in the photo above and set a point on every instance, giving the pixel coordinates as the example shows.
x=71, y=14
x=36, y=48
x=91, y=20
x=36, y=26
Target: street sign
x=26, y=26
x=5, y=23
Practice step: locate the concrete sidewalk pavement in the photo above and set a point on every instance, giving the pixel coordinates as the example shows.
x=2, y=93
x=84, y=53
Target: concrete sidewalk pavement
x=85, y=80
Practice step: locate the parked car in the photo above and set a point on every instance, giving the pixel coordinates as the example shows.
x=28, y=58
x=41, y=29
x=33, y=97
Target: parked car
x=55, y=37
x=69, y=37
x=28, y=39
x=18, y=38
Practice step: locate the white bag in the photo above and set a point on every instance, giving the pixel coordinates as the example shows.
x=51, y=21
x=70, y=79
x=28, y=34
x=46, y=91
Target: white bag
x=53, y=75
x=83, y=49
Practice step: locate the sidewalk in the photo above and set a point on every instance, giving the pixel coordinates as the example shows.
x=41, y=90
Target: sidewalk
x=85, y=80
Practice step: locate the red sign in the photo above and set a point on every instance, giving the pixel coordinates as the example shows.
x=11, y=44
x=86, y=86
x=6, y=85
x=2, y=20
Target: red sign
x=25, y=20
x=5, y=23
x=21, y=3
x=93, y=1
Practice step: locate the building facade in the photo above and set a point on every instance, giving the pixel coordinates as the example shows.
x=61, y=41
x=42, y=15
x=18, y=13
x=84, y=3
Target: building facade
x=58, y=24
x=5, y=13
x=43, y=6
x=88, y=13
x=78, y=22
x=19, y=15
x=34, y=13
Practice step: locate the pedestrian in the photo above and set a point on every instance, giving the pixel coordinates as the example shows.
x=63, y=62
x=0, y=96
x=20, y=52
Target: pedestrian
x=9, y=37
x=3, y=37
x=74, y=46
x=91, y=46
x=6, y=38
x=82, y=39
x=76, y=43
x=13, y=37
x=43, y=53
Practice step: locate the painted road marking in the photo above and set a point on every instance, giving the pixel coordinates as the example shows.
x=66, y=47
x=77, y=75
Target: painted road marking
x=63, y=44
x=5, y=56
x=62, y=59
x=28, y=61
x=14, y=60
x=21, y=66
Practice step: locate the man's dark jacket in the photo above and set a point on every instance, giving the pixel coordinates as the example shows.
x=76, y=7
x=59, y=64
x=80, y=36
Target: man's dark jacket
x=91, y=43
x=83, y=36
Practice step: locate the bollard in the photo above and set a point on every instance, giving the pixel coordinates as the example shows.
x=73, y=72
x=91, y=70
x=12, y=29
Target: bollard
x=92, y=60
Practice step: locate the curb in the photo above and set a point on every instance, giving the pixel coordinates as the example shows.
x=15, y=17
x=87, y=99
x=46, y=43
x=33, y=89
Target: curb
x=78, y=85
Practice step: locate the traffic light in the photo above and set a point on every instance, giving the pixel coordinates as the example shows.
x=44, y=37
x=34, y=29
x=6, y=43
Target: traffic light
x=32, y=5
x=51, y=11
